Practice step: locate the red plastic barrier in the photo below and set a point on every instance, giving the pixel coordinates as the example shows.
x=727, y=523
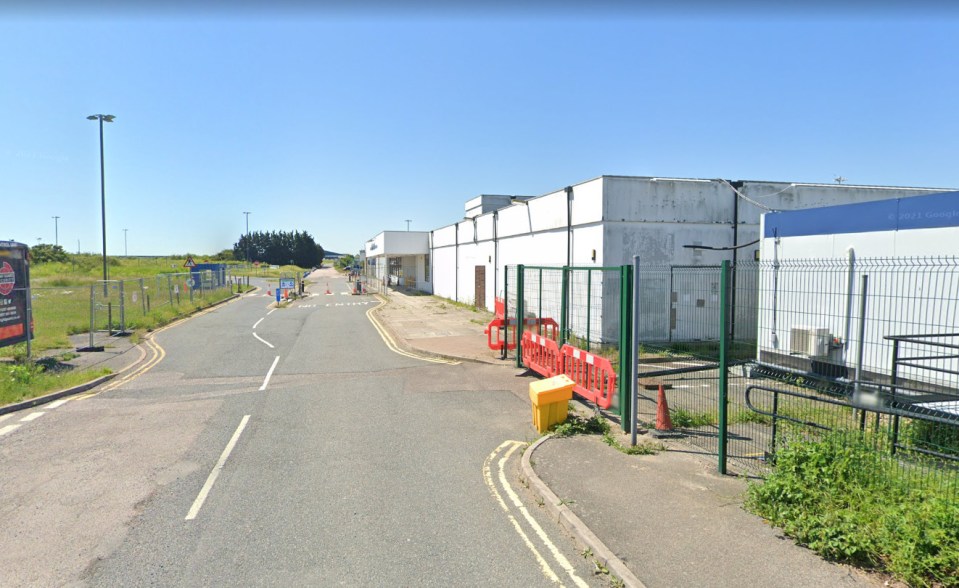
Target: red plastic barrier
x=495, y=327
x=593, y=374
x=499, y=305
x=500, y=332
x=546, y=327
x=541, y=355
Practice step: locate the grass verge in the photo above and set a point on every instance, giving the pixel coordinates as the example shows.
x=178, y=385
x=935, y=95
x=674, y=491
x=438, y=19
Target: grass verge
x=23, y=381
x=838, y=496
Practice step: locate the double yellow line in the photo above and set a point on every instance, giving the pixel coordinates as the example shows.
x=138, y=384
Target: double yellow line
x=158, y=353
x=391, y=344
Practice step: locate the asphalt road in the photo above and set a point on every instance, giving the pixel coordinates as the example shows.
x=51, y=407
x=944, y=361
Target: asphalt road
x=281, y=447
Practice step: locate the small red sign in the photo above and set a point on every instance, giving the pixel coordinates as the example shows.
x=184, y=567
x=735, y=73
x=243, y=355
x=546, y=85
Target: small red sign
x=7, y=279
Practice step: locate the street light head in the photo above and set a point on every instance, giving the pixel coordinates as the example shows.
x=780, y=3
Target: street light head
x=92, y=117
x=108, y=117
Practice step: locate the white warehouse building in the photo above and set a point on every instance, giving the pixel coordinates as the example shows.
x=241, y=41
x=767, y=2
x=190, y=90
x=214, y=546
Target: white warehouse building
x=602, y=222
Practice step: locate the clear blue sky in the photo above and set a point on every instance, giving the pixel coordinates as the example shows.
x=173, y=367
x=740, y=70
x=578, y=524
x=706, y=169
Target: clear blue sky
x=346, y=122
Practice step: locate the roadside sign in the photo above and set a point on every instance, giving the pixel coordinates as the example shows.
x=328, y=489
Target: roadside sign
x=14, y=282
x=287, y=283
x=189, y=262
x=278, y=295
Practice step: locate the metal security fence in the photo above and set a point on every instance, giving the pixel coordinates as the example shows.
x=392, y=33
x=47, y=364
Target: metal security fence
x=585, y=307
x=754, y=354
x=119, y=306
x=68, y=306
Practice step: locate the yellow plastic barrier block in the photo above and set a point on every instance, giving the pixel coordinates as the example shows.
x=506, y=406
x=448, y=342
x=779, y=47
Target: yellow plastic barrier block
x=550, y=398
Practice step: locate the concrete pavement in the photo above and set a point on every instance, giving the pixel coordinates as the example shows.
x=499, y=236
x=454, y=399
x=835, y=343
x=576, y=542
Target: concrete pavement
x=667, y=519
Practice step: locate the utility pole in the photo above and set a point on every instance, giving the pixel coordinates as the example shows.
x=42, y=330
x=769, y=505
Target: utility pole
x=103, y=198
x=408, y=221
x=56, y=232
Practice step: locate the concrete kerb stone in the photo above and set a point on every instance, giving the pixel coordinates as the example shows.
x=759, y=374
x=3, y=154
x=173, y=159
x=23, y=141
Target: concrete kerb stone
x=572, y=524
x=57, y=395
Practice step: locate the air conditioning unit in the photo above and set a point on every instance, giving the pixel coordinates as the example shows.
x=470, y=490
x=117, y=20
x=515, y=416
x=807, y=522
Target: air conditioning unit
x=811, y=341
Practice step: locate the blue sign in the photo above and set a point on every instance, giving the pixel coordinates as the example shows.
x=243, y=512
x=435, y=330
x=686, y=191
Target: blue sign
x=914, y=212
x=277, y=294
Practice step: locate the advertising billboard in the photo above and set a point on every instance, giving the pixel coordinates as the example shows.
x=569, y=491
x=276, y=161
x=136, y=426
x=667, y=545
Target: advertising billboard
x=14, y=281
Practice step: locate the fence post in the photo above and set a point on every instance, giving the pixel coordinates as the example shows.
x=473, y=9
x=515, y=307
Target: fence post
x=93, y=301
x=589, y=302
x=564, y=308
x=520, y=313
x=539, y=295
x=634, y=343
x=893, y=383
x=723, y=364
x=626, y=370
x=123, y=306
x=143, y=297
x=505, y=310
x=169, y=288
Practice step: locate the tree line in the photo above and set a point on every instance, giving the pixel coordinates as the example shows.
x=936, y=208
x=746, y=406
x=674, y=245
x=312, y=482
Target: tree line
x=279, y=248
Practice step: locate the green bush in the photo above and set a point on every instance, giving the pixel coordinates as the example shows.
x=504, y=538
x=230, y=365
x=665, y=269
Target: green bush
x=839, y=497
x=577, y=425
x=940, y=437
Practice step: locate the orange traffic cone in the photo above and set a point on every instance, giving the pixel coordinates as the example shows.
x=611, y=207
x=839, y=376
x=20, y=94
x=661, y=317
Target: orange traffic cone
x=664, y=424
x=328, y=288
x=269, y=292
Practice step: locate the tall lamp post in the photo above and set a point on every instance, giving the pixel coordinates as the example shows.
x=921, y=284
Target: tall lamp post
x=408, y=221
x=103, y=197
x=56, y=232
x=247, y=236
x=125, y=254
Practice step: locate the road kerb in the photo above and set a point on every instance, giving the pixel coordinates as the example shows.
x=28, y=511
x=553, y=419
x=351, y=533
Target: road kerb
x=102, y=379
x=56, y=395
x=573, y=524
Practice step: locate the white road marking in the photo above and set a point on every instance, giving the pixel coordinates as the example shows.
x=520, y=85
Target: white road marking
x=9, y=429
x=488, y=477
x=32, y=417
x=264, y=341
x=59, y=403
x=4, y=417
x=201, y=497
x=559, y=557
x=271, y=312
x=258, y=322
x=269, y=374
